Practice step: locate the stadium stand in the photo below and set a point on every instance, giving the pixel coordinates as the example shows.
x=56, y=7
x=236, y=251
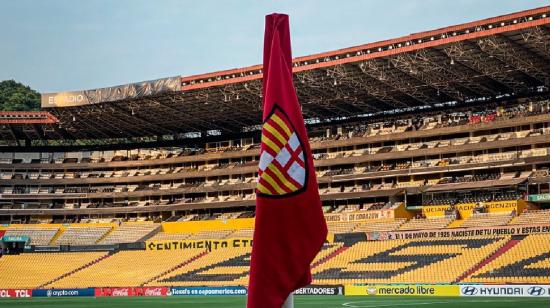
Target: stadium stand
x=129, y=233
x=161, y=236
x=82, y=235
x=379, y=225
x=37, y=235
x=32, y=270
x=427, y=223
x=486, y=220
x=386, y=261
x=127, y=268
x=222, y=267
x=526, y=262
x=211, y=235
x=459, y=147
x=343, y=227
x=242, y=233
x=532, y=217
x=406, y=261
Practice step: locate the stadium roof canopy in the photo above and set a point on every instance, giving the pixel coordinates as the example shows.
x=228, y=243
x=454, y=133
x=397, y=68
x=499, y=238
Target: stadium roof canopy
x=485, y=59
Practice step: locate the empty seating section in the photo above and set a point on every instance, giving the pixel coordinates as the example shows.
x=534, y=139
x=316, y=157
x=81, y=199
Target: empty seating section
x=473, y=197
x=486, y=220
x=427, y=223
x=532, y=217
x=440, y=260
x=82, y=235
x=162, y=236
x=466, y=164
x=406, y=261
x=323, y=274
x=127, y=268
x=243, y=233
x=470, y=178
x=238, y=196
x=89, y=234
x=379, y=225
x=527, y=262
x=326, y=251
x=129, y=233
x=31, y=270
x=202, y=235
x=220, y=267
x=123, y=163
x=38, y=236
x=341, y=227
x=211, y=235
x=243, y=196
x=135, y=231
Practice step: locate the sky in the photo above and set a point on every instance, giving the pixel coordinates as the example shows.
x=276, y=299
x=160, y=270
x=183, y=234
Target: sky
x=63, y=45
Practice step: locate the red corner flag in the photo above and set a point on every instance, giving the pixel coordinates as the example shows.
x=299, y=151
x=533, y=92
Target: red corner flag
x=290, y=227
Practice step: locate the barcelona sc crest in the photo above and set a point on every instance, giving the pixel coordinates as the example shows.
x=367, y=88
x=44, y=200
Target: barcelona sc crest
x=283, y=167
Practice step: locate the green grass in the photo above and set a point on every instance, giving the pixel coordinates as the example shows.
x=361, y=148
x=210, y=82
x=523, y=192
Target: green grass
x=300, y=302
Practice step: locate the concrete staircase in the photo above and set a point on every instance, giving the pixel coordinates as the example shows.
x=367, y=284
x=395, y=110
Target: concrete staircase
x=106, y=234
x=456, y=223
x=150, y=234
x=329, y=256
x=182, y=264
x=76, y=270
x=56, y=236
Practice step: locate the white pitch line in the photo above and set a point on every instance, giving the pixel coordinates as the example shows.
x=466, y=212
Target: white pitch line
x=387, y=304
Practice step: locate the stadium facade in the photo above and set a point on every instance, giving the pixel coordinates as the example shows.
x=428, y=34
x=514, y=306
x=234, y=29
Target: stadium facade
x=431, y=151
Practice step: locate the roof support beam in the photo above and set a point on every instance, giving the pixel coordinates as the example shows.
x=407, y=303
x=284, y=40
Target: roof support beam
x=382, y=71
x=470, y=55
x=469, y=78
x=418, y=66
x=538, y=38
x=512, y=53
x=135, y=116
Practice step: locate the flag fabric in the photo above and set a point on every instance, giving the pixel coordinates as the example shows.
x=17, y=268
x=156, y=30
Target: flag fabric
x=290, y=228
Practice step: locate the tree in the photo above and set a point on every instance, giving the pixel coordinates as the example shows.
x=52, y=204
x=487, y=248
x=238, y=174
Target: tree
x=15, y=96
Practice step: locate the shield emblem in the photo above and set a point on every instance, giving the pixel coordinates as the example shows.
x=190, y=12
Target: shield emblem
x=282, y=169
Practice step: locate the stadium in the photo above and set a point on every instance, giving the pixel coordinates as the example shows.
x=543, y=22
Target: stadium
x=432, y=156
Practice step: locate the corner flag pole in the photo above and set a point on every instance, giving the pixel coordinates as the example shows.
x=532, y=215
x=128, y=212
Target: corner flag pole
x=289, y=303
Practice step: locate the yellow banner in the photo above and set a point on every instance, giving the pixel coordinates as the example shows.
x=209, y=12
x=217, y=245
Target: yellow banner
x=207, y=245
x=467, y=209
x=435, y=210
x=502, y=206
x=403, y=290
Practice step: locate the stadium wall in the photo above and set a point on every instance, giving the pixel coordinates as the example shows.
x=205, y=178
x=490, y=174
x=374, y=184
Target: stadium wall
x=208, y=245
x=211, y=225
x=477, y=290
x=15, y=293
x=451, y=290
x=57, y=226
x=460, y=232
x=466, y=209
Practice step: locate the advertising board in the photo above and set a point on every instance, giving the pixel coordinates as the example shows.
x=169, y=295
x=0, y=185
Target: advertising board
x=63, y=292
x=207, y=291
x=505, y=290
x=402, y=290
x=15, y=293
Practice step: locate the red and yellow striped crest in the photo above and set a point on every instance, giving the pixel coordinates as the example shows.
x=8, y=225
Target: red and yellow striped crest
x=283, y=168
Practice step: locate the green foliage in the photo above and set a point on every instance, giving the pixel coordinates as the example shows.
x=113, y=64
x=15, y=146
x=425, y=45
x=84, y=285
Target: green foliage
x=15, y=96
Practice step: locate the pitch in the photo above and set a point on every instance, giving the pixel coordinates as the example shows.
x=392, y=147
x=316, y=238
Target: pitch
x=300, y=302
